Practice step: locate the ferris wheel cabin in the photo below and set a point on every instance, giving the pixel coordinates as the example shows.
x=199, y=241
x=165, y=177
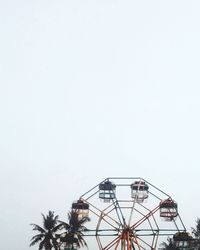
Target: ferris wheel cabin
x=182, y=240
x=107, y=191
x=168, y=209
x=139, y=191
x=81, y=208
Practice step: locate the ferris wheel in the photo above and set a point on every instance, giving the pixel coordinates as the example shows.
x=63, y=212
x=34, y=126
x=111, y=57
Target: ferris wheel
x=129, y=213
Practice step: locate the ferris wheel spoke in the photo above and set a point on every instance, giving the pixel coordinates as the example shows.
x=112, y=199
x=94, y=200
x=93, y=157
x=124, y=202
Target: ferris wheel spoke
x=116, y=207
x=101, y=218
x=147, y=244
x=151, y=215
x=137, y=243
x=148, y=218
x=144, y=218
x=131, y=214
x=112, y=243
x=119, y=213
x=117, y=245
x=136, y=196
x=104, y=215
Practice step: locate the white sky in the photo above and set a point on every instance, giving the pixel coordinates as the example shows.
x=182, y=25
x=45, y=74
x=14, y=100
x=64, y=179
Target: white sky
x=91, y=89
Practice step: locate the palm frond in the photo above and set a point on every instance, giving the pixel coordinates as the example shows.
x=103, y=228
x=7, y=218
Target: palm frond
x=38, y=228
x=50, y=220
x=81, y=240
x=35, y=239
x=84, y=220
x=64, y=224
x=41, y=245
x=38, y=236
x=57, y=228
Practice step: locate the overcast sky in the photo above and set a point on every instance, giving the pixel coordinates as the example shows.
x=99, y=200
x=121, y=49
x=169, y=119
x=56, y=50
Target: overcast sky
x=91, y=89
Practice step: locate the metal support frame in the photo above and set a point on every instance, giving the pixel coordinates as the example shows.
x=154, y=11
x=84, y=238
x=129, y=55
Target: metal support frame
x=140, y=230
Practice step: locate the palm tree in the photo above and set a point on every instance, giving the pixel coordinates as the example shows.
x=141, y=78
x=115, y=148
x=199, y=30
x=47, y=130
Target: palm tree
x=47, y=234
x=73, y=237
